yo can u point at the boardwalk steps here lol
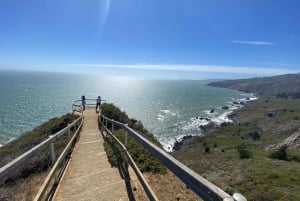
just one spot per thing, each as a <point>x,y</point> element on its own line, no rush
<point>89,176</point>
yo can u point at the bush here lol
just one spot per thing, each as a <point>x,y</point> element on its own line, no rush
<point>243,152</point>
<point>255,135</point>
<point>207,149</point>
<point>144,160</point>
<point>280,154</point>
<point>113,112</point>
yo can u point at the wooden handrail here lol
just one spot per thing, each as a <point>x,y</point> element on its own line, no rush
<point>151,195</point>
<point>205,189</point>
<point>39,196</point>
<point>10,169</point>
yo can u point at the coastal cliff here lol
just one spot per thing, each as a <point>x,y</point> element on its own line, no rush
<point>258,154</point>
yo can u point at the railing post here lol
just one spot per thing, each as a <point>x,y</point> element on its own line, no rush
<point>53,157</point>
<point>112,127</point>
<point>69,131</point>
<point>126,139</point>
<point>126,145</point>
<point>106,123</point>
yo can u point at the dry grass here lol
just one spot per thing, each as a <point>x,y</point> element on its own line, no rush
<point>169,187</point>
<point>23,189</point>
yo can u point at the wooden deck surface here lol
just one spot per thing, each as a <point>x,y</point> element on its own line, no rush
<point>89,176</point>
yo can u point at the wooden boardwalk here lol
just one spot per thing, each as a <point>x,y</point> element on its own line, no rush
<point>89,176</point>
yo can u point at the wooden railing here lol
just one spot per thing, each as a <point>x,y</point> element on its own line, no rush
<point>205,189</point>
<point>58,168</point>
<point>151,195</point>
<point>12,167</point>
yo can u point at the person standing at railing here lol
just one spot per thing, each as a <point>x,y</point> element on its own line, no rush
<point>98,103</point>
<point>83,102</point>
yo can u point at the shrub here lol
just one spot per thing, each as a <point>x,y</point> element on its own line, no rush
<point>294,158</point>
<point>144,160</point>
<point>255,135</point>
<point>207,149</point>
<point>111,111</point>
<point>243,152</point>
<point>229,190</point>
<point>280,154</point>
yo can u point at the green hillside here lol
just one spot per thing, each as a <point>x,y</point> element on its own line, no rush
<point>258,154</point>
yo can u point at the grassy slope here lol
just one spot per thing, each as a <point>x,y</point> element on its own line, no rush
<point>24,185</point>
<point>259,177</point>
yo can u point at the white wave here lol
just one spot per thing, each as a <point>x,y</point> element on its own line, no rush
<point>208,112</point>
<point>169,112</point>
<point>193,126</point>
<point>168,143</point>
<point>10,140</point>
<point>253,98</point>
<point>195,123</point>
<point>160,117</point>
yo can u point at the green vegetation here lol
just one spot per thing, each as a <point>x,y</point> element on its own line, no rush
<point>142,157</point>
<point>31,138</point>
<point>280,154</point>
<point>19,186</point>
<point>243,152</point>
<point>242,164</point>
<point>244,160</point>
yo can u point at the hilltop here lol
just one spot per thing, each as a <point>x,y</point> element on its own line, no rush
<point>288,85</point>
<point>258,154</point>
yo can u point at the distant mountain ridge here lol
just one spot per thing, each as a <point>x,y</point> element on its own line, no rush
<point>281,85</point>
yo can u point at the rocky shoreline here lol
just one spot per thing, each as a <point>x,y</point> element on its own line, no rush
<point>206,129</point>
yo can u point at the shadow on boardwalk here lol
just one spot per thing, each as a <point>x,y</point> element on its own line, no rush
<point>89,175</point>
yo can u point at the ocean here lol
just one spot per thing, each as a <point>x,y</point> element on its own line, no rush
<point>170,109</point>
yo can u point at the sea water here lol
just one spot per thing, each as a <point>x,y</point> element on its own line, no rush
<point>170,109</point>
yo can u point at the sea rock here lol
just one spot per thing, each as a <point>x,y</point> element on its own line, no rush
<point>178,143</point>
<point>208,127</point>
<point>212,111</point>
<point>225,107</point>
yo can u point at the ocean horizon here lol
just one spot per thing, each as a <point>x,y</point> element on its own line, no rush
<point>170,109</point>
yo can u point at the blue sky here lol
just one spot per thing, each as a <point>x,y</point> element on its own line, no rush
<point>186,39</point>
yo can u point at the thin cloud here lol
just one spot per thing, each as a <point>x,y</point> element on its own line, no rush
<point>259,71</point>
<point>246,42</point>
